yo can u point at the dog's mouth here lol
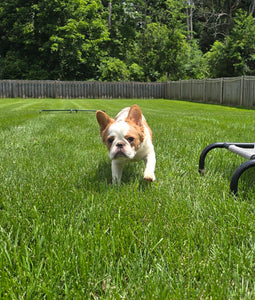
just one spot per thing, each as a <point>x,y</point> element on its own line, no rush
<point>119,153</point>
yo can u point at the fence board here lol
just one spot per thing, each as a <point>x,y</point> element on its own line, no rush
<point>198,90</point>
<point>232,91</point>
<point>249,91</point>
<point>213,91</point>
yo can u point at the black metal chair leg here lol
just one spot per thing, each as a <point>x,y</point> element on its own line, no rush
<point>204,153</point>
<point>238,172</point>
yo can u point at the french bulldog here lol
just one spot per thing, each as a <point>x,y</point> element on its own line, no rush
<point>127,138</point>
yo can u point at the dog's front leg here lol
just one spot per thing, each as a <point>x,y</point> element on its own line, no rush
<point>150,163</point>
<point>117,168</point>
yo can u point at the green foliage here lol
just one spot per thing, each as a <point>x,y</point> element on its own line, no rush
<point>191,62</point>
<point>236,56</point>
<point>160,48</point>
<point>63,39</point>
<point>213,20</point>
<point>242,42</point>
<point>152,39</point>
<point>123,22</point>
<point>113,69</point>
<point>136,72</point>
<point>217,61</point>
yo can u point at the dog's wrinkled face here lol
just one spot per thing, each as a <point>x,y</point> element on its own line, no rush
<point>122,137</point>
<point>122,140</point>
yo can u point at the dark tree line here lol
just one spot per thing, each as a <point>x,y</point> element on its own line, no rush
<point>143,40</point>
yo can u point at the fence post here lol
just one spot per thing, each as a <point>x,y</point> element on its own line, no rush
<point>166,90</point>
<point>56,89</point>
<point>221,90</point>
<point>191,83</point>
<point>95,90</point>
<point>23,89</point>
<point>241,90</point>
<point>180,89</point>
<point>204,91</point>
<point>15,89</point>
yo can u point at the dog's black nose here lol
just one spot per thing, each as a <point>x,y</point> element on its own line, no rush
<point>120,145</point>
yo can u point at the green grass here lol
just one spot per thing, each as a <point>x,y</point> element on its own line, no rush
<point>66,232</point>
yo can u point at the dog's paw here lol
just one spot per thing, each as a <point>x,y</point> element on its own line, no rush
<point>149,177</point>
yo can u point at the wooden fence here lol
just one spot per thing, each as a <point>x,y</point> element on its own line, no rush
<point>80,89</point>
<point>236,91</point>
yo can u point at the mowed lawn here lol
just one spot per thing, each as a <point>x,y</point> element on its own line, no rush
<point>67,233</point>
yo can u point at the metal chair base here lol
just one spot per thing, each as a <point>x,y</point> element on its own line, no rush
<point>242,149</point>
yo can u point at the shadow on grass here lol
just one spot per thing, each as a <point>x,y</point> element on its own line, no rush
<point>101,177</point>
<point>246,182</point>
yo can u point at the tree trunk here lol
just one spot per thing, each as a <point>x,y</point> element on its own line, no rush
<point>252,7</point>
<point>189,13</point>
<point>110,15</point>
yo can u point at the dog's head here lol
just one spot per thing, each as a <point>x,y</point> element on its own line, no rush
<point>122,136</point>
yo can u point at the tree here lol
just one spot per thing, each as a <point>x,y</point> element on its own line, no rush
<point>158,50</point>
<point>236,56</point>
<point>189,18</point>
<point>113,69</point>
<point>51,39</point>
<point>123,23</point>
<point>213,20</point>
<point>161,43</point>
<point>124,40</point>
<point>191,62</point>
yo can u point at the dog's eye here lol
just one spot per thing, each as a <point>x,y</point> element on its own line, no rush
<point>130,139</point>
<point>110,140</point>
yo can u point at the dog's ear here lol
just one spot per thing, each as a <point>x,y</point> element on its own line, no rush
<point>103,120</point>
<point>135,115</point>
